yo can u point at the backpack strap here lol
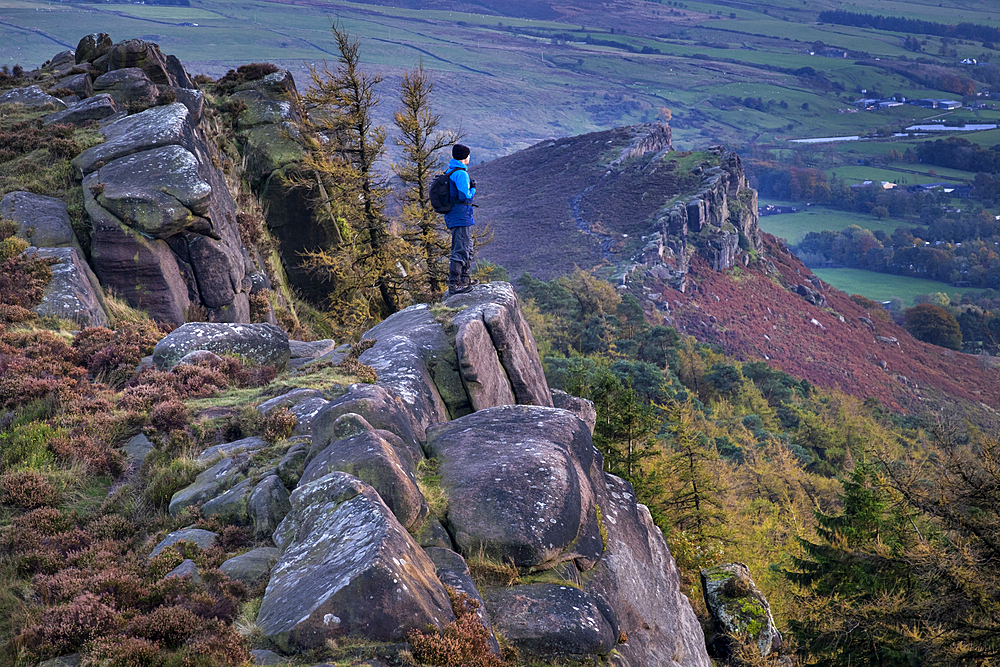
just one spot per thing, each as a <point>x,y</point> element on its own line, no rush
<point>451,171</point>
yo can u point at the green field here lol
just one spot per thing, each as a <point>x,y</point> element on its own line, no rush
<point>794,226</point>
<point>882,286</point>
<point>511,81</point>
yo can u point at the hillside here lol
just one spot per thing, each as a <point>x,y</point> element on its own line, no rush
<point>578,200</point>
<point>514,73</point>
<point>769,306</point>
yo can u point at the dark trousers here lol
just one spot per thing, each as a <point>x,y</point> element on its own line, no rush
<point>461,255</point>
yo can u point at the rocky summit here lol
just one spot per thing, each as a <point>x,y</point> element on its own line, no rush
<point>359,554</point>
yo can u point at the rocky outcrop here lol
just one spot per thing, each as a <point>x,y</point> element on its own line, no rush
<point>483,356</point>
<point>164,234</point>
<point>74,292</point>
<point>347,568</point>
<point>260,343</point>
<point>719,222</point>
<point>32,97</point>
<point>738,610</point>
<point>98,107</point>
<point>162,213</point>
<point>267,130</point>
<point>523,485</point>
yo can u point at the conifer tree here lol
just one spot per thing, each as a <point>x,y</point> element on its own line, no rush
<point>694,496</point>
<point>343,144</point>
<point>419,138</point>
<point>625,434</point>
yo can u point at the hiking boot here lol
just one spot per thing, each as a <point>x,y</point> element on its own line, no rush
<point>459,289</point>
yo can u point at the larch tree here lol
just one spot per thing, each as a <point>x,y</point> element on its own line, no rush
<point>419,138</point>
<point>343,144</point>
<point>694,494</point>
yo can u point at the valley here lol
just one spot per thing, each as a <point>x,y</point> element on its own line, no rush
<point>730,385</point>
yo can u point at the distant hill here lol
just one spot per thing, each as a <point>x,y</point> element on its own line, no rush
<point>590,201</point>
<point>571,202</point>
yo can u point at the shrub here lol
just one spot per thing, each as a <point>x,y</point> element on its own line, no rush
<point>169,415</point>
<point>97,454</point>
<point>464,641</point>
<point>244,73</point>
<point>933,324</point>
<point>34,365</point>
<point>26,446</point>
<point>278,424</point>
<point>123,651</point>
<point>163,480</point>
<point>27,490</point>
<point>144,397</point>
<point>66,628</point>
<point>112,356</point>
<point>23,278</point>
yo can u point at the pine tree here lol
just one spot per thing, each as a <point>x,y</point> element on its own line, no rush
<point>419,138</point>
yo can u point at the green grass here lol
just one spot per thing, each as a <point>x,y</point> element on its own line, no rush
<point>882,286</point>
<point>509,91</point>
<point>794,226</point>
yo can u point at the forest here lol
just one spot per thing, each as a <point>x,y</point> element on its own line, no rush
<point>869,531</point>
<point>981,33</point>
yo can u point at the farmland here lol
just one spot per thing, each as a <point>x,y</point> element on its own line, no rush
<point>882,287</point>
<point>531,71</point>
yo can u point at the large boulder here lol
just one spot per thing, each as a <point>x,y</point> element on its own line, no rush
<point>380,408</point>
<point>92,47</point>
<point>130,87</point>
<point>98,107</point>
<point>253,566</point>
<point>143,271</point>
<point>161,69</point>
<point>369,455</point>
<point>160,126</point>
<point>414,356</point>
<point>32,97</point>
<point>581,407</point>
<point>551,620</point>
<point>738,609</point>
<point>80,85</point>
<point>347,568</point>
<point>494,307</point>
<point>637,586</point>
<point>305,404</point>
<point>41,221</point>
<point>518,482</point>
<point>209,484</point>
<point>156,192</point>
<point>203,539</point>
<point>73,293</point>
<point>268,506</point>
<point>261,343</point>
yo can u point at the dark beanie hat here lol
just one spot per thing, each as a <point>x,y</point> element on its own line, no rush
<point>460,152</point>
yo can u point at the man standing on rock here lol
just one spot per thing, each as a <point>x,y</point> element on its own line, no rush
<point>459,221</point>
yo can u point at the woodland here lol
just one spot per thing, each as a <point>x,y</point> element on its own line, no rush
<point>871,532</point>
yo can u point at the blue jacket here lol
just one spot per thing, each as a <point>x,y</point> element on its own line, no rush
<point>462,192</point>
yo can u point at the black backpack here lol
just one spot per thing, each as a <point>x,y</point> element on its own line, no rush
<point>440,192</point>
